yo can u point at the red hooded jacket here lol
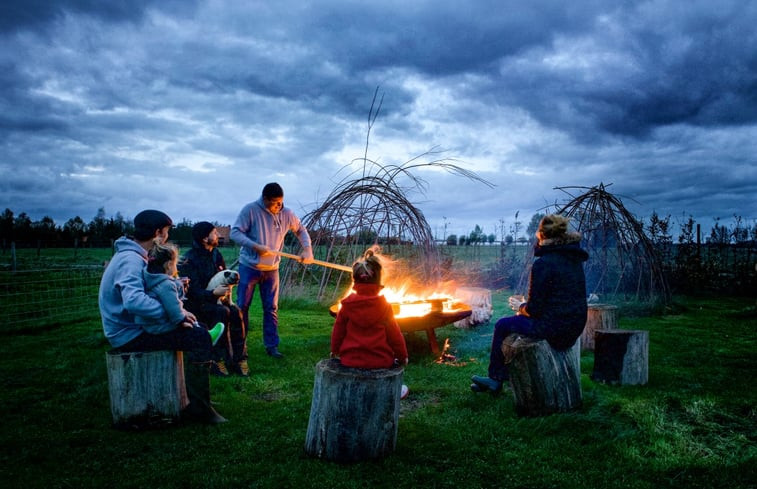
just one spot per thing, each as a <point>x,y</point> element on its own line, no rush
<point>365,333</point>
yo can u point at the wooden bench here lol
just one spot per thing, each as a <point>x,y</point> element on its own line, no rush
<point>354,415</point>
<point>621,356</point>
<point>146,389</point>
<point>543,380</point>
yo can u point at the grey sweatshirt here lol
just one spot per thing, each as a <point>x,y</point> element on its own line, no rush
<point>257,225</point>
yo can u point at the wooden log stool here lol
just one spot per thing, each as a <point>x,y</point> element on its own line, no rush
<point>355,412</point>
<point>621,356</point>
<point>146,389</point>
<point>543,380</point>
<point>599,316</point>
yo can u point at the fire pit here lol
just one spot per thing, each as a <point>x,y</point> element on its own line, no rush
<point>425,315</point>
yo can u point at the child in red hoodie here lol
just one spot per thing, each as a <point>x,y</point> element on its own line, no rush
<point>365,333</point>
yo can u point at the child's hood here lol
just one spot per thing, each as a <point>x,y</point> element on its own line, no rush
<point>365,309</point>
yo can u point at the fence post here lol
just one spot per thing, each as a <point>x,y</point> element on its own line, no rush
<point>13,256</point>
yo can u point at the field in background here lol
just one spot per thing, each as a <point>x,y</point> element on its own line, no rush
<point>51,287</point>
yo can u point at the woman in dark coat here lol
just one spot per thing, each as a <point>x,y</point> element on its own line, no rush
<point>555,309</point>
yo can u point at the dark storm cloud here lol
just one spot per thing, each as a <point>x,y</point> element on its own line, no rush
<point>18,15</point>
<point>129,104</point>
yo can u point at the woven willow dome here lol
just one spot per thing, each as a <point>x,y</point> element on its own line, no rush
<point>371,207</point>
<point>623,262</point>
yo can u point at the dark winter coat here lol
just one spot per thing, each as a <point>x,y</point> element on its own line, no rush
<point>200,265</point>
<point>557,291</point>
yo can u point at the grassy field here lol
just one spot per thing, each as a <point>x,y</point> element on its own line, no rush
<point>693,426</point>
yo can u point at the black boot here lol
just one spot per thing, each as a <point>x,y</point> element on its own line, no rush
<point>197,380</point>
<point>481,384</point>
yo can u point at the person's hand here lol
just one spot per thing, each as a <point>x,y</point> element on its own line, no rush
<point>261,250</point>
<point>515,302</point>
<point>221,290</point>
<point>407,360</point>
<point>306,257</point>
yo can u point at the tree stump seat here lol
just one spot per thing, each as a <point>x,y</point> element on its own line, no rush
<point>354,414</point>
<point>146,389</point>
<point>543,380</point>
<point>621,356</point>
<point>599,316</point>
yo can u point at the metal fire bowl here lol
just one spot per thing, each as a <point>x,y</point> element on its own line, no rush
<point>430,321</point>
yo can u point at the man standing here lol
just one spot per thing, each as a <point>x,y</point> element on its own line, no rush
<point>122,298</point>
<point>200,264</point>
<point>259,230</point>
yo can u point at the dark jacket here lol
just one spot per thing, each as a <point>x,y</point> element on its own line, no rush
<point>557,292</point>
<point>200,265</point>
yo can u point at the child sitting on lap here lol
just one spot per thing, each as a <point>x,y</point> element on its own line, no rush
<point>161,283</point>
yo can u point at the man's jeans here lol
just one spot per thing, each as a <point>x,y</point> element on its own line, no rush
<point>269,297</point>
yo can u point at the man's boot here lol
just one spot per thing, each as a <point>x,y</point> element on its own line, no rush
<point>197,380</point>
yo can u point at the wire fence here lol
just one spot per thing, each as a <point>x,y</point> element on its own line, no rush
<point>35,300</point>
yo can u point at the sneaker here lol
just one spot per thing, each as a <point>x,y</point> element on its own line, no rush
<point>216,332</point>
<point>274,352</point>
<point>219,369</point>
<point>242,369</point>
<point>404,391</point>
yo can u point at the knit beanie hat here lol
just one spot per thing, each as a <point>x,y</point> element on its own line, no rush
<point>149,221</point>
<point>201,230</point>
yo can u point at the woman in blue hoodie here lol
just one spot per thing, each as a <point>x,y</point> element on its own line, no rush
<point>555,309</point>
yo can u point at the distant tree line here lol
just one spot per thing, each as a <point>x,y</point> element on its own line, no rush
<point>99,232</point>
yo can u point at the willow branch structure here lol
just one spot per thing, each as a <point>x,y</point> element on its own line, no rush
<point>370,205</point>
<point>622,260</point>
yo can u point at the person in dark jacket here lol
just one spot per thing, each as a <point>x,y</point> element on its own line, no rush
<point>199,265</point>
<point>555,309</point>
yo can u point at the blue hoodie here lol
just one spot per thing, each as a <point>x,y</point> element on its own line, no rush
<point>122,294</point>
<point>169,291</point>
<point>257,225</point>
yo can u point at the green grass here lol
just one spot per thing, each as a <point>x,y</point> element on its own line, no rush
<point>694,425</point>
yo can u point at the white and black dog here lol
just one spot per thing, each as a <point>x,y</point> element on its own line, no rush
<point>224,277</point>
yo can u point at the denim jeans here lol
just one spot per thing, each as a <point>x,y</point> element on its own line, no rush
<point>512,324</point>
<point>269,297</point>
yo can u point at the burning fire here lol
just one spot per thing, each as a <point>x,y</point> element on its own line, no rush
<point>406,304</point>
<point>408,299</point>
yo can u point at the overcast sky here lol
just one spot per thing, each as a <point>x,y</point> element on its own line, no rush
<point>191,107</point>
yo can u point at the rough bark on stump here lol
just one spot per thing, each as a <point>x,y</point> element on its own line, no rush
<point>621,357</point>
<point>543,380</point>
<point>355,412</point>
<point>146,389</point>
<point>599,316</point>
<point>480,302</point>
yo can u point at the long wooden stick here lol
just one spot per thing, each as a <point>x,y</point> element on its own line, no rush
<point>343,268</point>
